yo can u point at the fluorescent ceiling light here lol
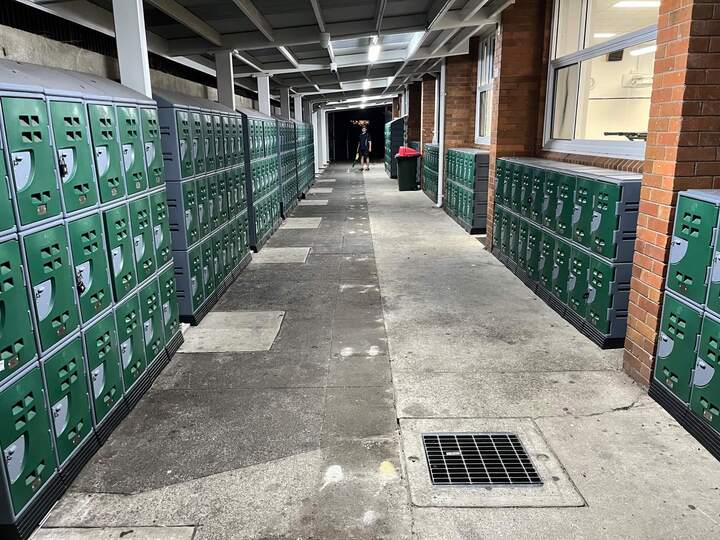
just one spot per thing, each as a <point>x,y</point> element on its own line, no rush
<point>364,99</point>
<point>374,52</point>
<point>637,4</point>
<point>366,84</point>
<point>644,50</point>
<point>603,35</point>
<point>288,55</point>
<point>317,88</point>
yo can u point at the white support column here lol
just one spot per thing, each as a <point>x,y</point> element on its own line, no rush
<point>441,138</point>
<point>285,102</point>
<point>298,108</point>
<point>317,134</point>
<point>263,83</point>
<point>131,41</point>
<point>307,112</point>
<point>324,144</point>
<point>225,77</point>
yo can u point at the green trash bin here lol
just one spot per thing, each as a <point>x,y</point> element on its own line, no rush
<point>407,172</point>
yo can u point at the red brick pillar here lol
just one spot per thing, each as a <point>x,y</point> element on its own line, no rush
<point>427,114</point>
<point>518,88</point>
<point>682,152</point>
<point>414,111</point>
<point>460,89</point>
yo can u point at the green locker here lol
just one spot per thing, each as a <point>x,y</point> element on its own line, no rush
<point>497,226</point>
<point>108,162</point>
<point>208,267</point>
<point>142,238</point>
<point>231,193</point>
<point>161,228</point>
<point>241,199</point>
<point>118,236</point>
<point>32,164</point>
<point>228,249</point>
<point>184,133</point>
<point>561,270</point>
<point>691,250</point>
<point>130,339</point>
<point>219,142</point>
<point>169,304</point>
<point>532,252</point>
<point>132,149</point>
<point>537,179</point>
<point>523,230</point>
<point>545,261</point>
<point>195,263</point>
<point>221,200</point>
<point>67,392</point>
<point>516,187</point>
<point>209,142</point>
<point>526,188</point>
<point>583,211</point>
<point>228,141</point>
<point>25,438</point>
<point>600,294</point>
<point>565,205</point>
<point>152,324</point>
<point>213,200</point>
<point>550,200</point>
<point>90,260</point>
<point>103,363</point>
<point>7,216</point>
<point>508,185</point>
<point>505,233</point>
<point>51,278</point>
<point>203,206</point>
<point>153,147</point>
<point>578,281</point>
<point>677,344</point>
<point>604,221</point>
<point>17,344</point>
<point>70,130</point>
<point>501,167</point>
<point>189,195</point>
<point>218,258</point>
<point>705,393</point>
<point>239,141</point>
<point>513,241</point>
<point>198,142</point>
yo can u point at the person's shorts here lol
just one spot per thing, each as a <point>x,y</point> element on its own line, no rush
<point>364,152</point>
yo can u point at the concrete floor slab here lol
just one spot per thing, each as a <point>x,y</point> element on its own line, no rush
<point>301,223</point>
<point>557,488</point>
<point>233,331</point>
<point>320,190</point>
<point>326,181</point>
<point>281,255</point>
<point>313,202</point>
<point>116,533</point>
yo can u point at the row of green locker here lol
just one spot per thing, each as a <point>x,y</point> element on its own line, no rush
<point>576,202</point>
<point>430,182</point>
<point>201,270</point>
<point>594,289</point>
<point>466,204</point>
<point>467,166</point>
<point>263,138</point>
<point>67,157</point>
<point>70,272</point>
<point>694,259</point>
<point>688,357</point>
<point>49,409</point>
<point>200,206</point>
<point>287,136</point>
<point>431,157</point>
<point>267,215</point>
<point>196,142</point>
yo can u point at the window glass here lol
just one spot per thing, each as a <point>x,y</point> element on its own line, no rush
<point>569,22</point>
<point>485,114</point>
<point>565,103</point>
<point>614,95</point>
<point>483,103</point>
<point>608,19</point>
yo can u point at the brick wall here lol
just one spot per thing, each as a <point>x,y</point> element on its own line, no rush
<point>460,88</point>
<point>518,89</point>
<point>427,114</point>
<point>414,111</point>
<point>682,152</point>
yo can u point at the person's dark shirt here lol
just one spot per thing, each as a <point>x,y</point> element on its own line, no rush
<point>365,141</point>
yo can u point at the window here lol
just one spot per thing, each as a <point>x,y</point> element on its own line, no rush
<point>483,100</point>
<point>600,78</point>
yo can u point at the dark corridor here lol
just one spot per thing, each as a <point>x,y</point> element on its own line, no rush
<point>344,134</point>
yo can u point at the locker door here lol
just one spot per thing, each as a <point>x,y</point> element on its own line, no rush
<point>101,344</point>
<point>108,161</point>
<point>497,226</point>
<point>526,191</point>
<point>161,228</point>
<point>198,142</point>
<point>513,241</point>
<point>118,236</point>
<point>583,211</point>
<point>133,152</point>
<point>523,231</point>
<point>705,393</point>
<point>536,194</point>
<point>208,267</point>
<point>545,260</point>
<point>199,294</point>
<point>184,133</point>
<point>32,164</point>
<point>565,205</point>
<point>153,147</point>
<point>189,196</point>
<point>578,281</point>
<point>133,361</point>
<point>604,221</point>
<point>169,304</point>
<point>219,143</point>
<point>561,270</point>
<point>209,142</point>
<point>221,196</point>
<point>601,279</point>
<point>218,257</point>
<point>74,156</point>
<point>7,215</point>
<point>152,326</point>
<point>142,238</point>
<point>203,206</point>
<point>549,205</point>
<point>532,255</point>
<point>213,200</point>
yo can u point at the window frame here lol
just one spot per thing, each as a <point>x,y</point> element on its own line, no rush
<point>620,149</point>
<point>485,66</point>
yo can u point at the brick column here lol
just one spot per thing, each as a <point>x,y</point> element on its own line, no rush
<point>460,89</point>
<point>682,152</point>
<point>427,114</point>
<point>414,111</point>
<point>518,88</point>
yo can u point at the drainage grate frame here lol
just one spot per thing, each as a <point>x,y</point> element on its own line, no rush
<point>479,459</point>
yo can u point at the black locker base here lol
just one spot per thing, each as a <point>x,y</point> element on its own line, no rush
<point>79,459</point>
<point>470,229</point>
<point>174,344</point>
<point>35,512</point>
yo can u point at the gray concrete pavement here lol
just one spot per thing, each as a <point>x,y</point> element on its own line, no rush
<point>395,323</point>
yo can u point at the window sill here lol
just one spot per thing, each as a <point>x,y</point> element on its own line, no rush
<point>611,149</point>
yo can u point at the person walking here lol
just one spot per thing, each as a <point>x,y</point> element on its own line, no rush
<point>364,149</point>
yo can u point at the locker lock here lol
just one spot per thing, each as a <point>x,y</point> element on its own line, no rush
<point>79,283</point>
<point>62,166</point>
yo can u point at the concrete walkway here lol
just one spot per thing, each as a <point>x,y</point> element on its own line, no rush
<point>295,410</point>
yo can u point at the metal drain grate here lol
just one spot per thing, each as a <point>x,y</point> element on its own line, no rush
<point>478,459</point>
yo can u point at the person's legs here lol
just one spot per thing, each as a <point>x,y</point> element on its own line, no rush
<point>366,160</point>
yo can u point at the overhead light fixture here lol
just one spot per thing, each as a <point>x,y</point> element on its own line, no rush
<point>317,88</point>
<point>644,50</point>
<point>637,4</point>
<point>366,84</point>
<point>603,35</point>
<point>288,55</point>
<point>364,99</point>
<point>374,50</point>
<point>363,106</point>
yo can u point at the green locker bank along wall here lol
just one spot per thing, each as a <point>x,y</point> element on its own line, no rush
<point>568,232</point>
<point>84,233</point>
